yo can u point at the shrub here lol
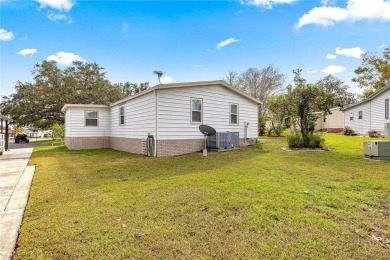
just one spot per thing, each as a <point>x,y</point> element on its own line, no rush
<point>295,140</point>
<point>316,141</point>
<point>373,133</point>
<point>348,131</point>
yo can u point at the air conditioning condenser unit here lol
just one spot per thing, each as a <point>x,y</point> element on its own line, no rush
<point>224,140</point>
<point>378,150</point>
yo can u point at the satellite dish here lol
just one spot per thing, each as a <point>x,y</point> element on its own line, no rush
<point>206,131</point>
<point>159,74</point>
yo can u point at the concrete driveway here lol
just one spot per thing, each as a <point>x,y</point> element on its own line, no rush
<point>15,183</point>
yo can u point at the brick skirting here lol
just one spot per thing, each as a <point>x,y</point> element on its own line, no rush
<point>131,145</point>
<point>178,147</point>
<point>137,146</point>
<point>81,143</point>
<point>334,130</point>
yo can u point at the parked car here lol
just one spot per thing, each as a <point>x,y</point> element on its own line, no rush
<point>21,137</point>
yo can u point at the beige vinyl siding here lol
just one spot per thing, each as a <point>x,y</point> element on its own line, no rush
<point>378,111</point>
<point>336,119</point>
<point>360,126</point>
<point>139,118</point>
<point>77,122</point>
<point>174,112</point>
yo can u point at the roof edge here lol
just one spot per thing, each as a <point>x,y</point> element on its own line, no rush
<point>371,97</point>
<point>66,106</point>
<point>188,84</point>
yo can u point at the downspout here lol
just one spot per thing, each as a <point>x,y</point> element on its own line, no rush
<point>370,115</point>
<point>156,121</point>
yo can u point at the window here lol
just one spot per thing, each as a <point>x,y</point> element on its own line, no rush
<point>386,108</point>
<point>351,116</point>
<point>360,115</point>
<point>91,118</point>
<point>234,114</point>
<point>196,110</point>
<point>122,115</point>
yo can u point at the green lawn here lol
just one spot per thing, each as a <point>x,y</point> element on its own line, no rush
<point>257,203</point>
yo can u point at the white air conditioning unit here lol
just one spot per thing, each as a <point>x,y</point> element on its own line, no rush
<point>224,140</point>
<point>387,130</point>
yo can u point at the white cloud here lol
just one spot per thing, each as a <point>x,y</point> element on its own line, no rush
<point>355,10</point>
<point>330,56</point>
<point>351,52</point>
<point>60,5</point>
<point>328,2</point>
<point>5,35</point>
<point>125,27</point>
<point>58,17</point>
<point>125,30</point>
<point>64,58</point>
<point>226,42</point>
<point>333,69</point>
<point>267,4</point>
<point>312,71</point>
<point>27,51</point>
<point>383,45</point>
<point>166,79</point>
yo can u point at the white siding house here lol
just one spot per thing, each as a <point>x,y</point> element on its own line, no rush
<point>369,114</point>
<point>80,125</point>
<point>171,113</point>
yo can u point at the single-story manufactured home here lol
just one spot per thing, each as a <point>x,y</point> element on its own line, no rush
<point>370,114</point>
<point>171,113</point>
<point>332,123</point>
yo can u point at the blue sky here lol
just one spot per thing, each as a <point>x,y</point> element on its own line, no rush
<point>191,40</point>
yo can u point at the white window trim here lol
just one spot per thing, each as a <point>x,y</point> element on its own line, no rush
<point>201,111</point>
<point>387,109</point>
<point>230,113</point>
<point>120,116</point>
<point>85,118</point>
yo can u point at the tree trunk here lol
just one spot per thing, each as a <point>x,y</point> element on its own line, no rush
<point>304,128</point>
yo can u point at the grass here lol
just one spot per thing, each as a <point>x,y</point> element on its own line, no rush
<point>257,203</point>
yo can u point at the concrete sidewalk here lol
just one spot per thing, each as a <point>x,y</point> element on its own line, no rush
<point>15,183</point>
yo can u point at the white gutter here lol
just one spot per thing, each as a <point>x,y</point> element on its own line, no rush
<point>156,121</point>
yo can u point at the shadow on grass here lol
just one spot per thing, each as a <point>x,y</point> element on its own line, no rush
<point>112,164</point>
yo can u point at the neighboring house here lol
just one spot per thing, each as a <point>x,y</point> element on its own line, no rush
<point>369,114</point>
<point>333,123</point>
<point>171,113</point>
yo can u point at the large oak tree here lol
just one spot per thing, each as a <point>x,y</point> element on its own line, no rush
<point>39,103</point>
